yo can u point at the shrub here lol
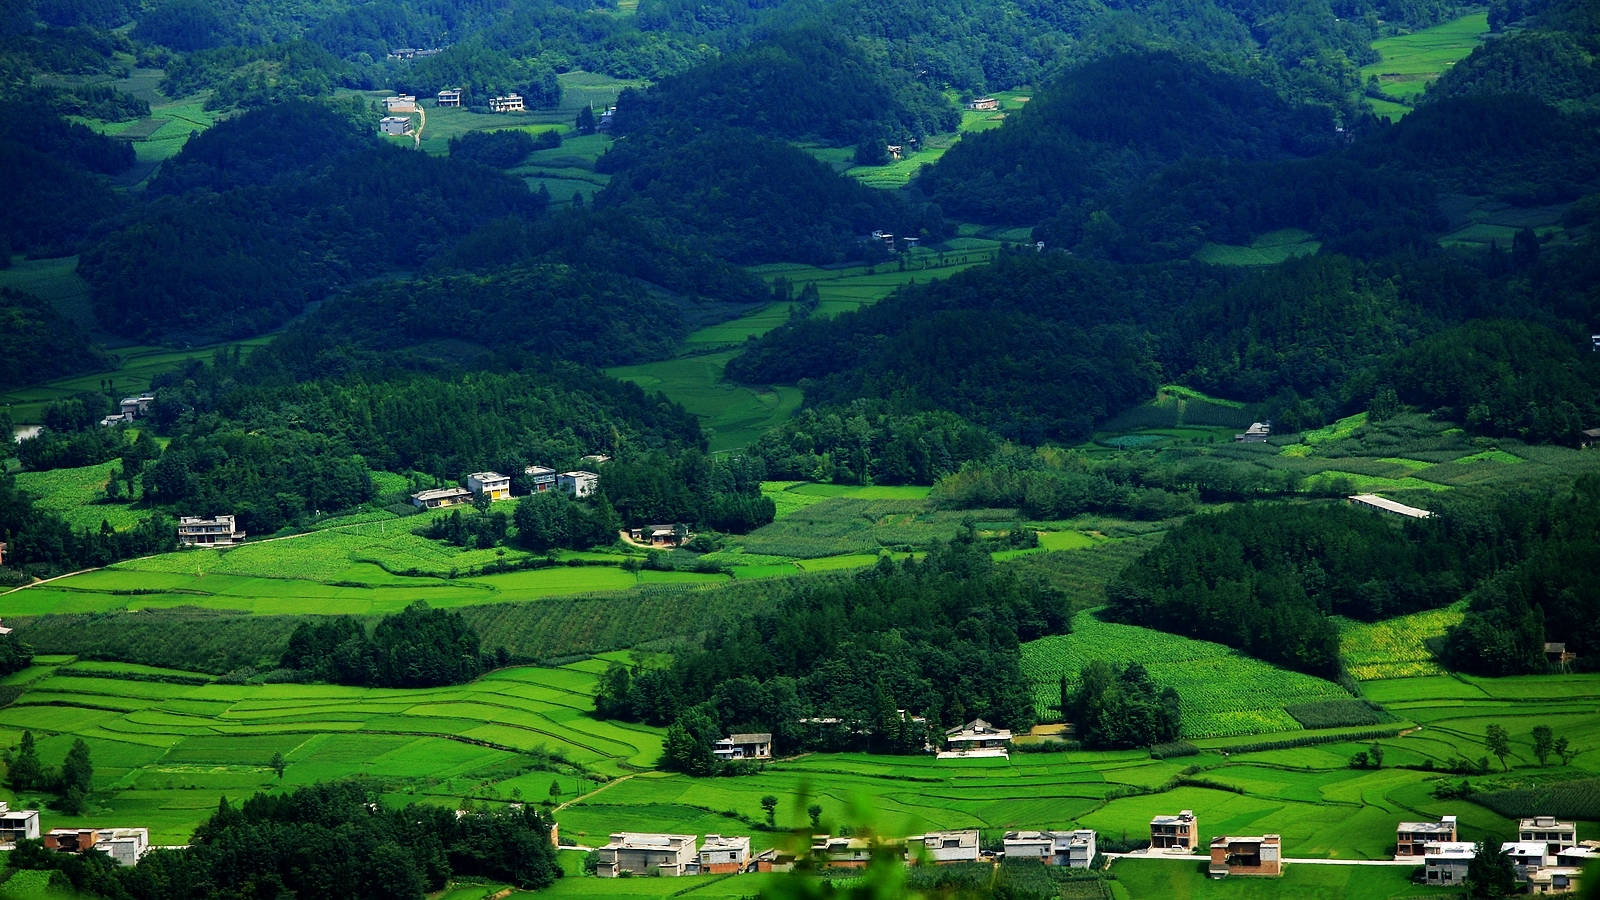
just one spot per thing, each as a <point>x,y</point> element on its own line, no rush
<point>1336,714</point>
<point>1173,750</point>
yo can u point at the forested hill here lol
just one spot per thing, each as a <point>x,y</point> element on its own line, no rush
<point>1551,57</point>
<point>1046,346</point>
<point>1112,123</point>
<point>806,83</point>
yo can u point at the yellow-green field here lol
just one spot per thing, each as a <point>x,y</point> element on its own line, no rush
<point>1411,61</point>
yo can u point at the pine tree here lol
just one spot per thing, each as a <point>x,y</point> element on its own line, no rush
<point>27,772</point>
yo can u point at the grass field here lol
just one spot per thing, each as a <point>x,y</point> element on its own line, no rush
<point>737,414</point>
<point>74,494</point>
<point>1411,61</point>
<point>1139,879</point>
<point>1223,691</point>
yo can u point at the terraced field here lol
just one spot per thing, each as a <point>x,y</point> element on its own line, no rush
<point>163,752</point>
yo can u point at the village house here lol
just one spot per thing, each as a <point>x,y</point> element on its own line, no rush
<point>976,740</point>
<point>606,121</point>
<point>491,484</point>
<point>449,97</point>
<point>1588,438</point>
<point>414,53</point>
<point>984,104</point>
<point>395,126</point>
<point>1577,857</point>
<point>1446,862</point>
<point>896,151</point>
<point>1412,837</point>
<point>1557,836</point>
<point>197,531</point>
<point>1557,654</point>
<point>125,845</point>
<point>942,847</point>
<point>1255,434</point>
<point>770,860</point>
<point>1179,832</point>
<point>660,535</point>
<point>754,745</point>
<point>3,631</point>
<point>647,854</point>
<point>1073,849</point>
<point>136,407</point>
<point>1554,880</point>
<point>1528,857</point>
<point>578,484</point>
<point>849,852</point>
<point>1246,856</point>
<point>595,460</point>
<point>724,855</point>
<point>438,497</point>
<point>540,478</point>
<point>17,825</point>
<point>2,554</point>
<point>1385,505</point>
<point>401,103</point>
<point>506,103</point>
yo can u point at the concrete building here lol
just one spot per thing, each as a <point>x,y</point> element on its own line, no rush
<point>595,460</point>
<point>493,484</point>
<point>401,103</point>
<point>395,126</point>
<point>1074,849</point>
<point>744,746</point>
<point>1446,862</point>
<point>541,478</point>
<point>647,854</point>
<point>941,847</point>
<point>1557,836</point>
<point>606,120</point>
<point>578,484</point>
<point>438,497</point>
<point>17,825</point>
<point>724,855</point>
<point>1246,856</point>
<point>1255,434</point>
<point>1554,880</point>
<point>975,740</point>
<point>1180,832</point>
<point>506,103</point>
<point>1528,857</point>
<point>196,531</point>
<point>449,97</point>
<point>1382,504</point>
<point>125,845</point>
<point>1411,838</point>
<point>136,407</point>
<point>984,104</point>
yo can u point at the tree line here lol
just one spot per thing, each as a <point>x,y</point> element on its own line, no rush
<point>325,841</point>
<point>416,647</point>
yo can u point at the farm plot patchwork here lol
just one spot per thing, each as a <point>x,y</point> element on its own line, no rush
<point>1223,691</point>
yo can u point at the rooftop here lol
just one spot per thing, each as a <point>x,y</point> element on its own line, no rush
<point>1387,505</point>
<point>1445,826</point>
<point>1546,822</point>
<point>750,738</point>
<point>440,493</point>
<point>1451,849</point>
<point>1183,816</point>
<point>628,840</point>
<point>718,842</point>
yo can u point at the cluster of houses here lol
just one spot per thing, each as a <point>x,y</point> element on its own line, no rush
<point>129,409</point>
<point>125,845</point>
<point>1547,857</point>
<point>579,484</point>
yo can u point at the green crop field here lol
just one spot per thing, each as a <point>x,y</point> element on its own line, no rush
<point>734,414</point>
<point>73,493</point>
<point>1394,648</point>
<point>1410,61</point>
<point>1140,879</point>
<point>1224,692</point>
<point>164,751</point>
